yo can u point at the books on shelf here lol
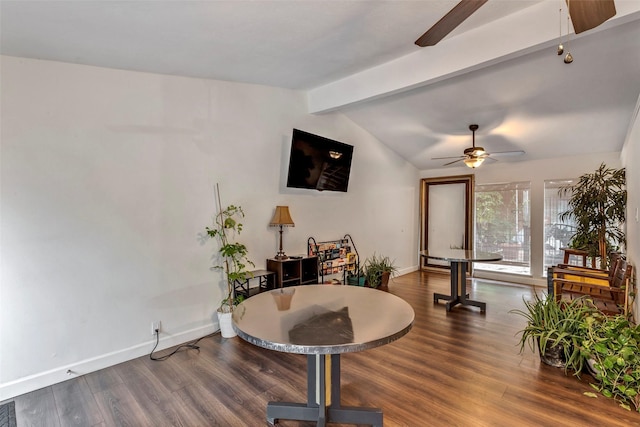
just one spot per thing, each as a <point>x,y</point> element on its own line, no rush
<point>335,256</point>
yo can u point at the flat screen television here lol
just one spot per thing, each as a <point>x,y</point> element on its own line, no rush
<point>318,163</point>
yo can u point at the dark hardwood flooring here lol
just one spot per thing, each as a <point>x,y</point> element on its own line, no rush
<point>461,368</point>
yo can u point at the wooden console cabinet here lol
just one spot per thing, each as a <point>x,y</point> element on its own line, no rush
<point>294,271</point>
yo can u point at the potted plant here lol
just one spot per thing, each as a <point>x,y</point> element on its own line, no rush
<point>378,270</point>
<point>598,204</point>
<point>611,348</point>
<point>556,329</point>
<point>232,260</point>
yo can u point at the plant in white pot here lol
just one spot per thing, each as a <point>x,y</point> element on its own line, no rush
<point>232,260</point>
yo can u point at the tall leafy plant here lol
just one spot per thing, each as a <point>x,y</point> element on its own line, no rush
<point>597,203</point>
<point>233,255</point>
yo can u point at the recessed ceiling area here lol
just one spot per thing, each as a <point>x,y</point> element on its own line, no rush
<point>498,68</point>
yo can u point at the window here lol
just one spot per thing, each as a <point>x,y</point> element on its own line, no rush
<point>557,233</point>
<point>503,226</point>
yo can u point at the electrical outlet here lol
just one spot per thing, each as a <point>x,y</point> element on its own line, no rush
<point>155,326</point>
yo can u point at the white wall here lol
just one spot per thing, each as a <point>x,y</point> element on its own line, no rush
<point>107,184</point>
<point>630,159</point>
<point>536,172</point>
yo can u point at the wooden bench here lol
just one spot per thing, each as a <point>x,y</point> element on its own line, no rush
<point>608,289</point>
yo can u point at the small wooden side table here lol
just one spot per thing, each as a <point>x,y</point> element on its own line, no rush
<point>568,252</point>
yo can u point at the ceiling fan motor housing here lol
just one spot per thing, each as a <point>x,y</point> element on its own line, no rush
<point>474,151</point>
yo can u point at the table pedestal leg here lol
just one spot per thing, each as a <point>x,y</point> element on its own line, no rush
<point>323,398</point>
<point>459,293</point>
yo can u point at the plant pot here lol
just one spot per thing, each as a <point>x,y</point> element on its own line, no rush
<point>591,369</point>
<point>226,324</point>
<point>553,355</point>
<point>356,281</point>
<point>384,281</point>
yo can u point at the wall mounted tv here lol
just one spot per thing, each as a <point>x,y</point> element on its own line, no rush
<point>318,163</point>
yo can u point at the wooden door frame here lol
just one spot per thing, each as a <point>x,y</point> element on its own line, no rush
<point>468,181</point>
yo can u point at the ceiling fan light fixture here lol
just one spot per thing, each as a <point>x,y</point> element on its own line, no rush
<point>473,162</point>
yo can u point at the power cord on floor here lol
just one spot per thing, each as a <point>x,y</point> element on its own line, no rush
<point>188,346</point>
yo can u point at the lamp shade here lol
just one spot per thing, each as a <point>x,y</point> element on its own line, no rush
<point>282,217</point>
<point>474,162</point>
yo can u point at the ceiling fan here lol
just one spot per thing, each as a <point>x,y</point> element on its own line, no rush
<point>585,15</point>
<point>474,156</point>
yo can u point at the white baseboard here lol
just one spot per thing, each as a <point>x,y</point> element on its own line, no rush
<point>44,379</point>
<point>406,270</point>
<point>510,278</point>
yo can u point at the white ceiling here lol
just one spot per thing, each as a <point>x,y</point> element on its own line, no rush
<point>498,69</point>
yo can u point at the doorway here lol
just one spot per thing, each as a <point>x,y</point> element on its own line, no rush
<point>446,215</point>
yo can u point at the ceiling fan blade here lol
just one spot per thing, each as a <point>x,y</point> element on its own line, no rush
<point>455,161</point>
<point>449,22</point>
<point>450,157</point>
<point>588,14</point>
<point>508,153</point>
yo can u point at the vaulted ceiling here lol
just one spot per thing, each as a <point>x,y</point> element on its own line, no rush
<point>498,69</point>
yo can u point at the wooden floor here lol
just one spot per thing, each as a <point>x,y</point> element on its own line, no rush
<point>461,368</point>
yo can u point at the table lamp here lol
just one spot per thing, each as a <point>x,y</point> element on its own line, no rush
<point>282,218</point>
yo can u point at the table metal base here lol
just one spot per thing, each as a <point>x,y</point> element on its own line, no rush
<point>321,406</point>
<point>459,293</point>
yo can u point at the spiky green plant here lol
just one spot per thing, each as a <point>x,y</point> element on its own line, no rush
<point>374,266</point>
<point>552,323</point>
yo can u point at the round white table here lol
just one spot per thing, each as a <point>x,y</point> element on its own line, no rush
<point>458,259</point>
<point>323,320</point>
